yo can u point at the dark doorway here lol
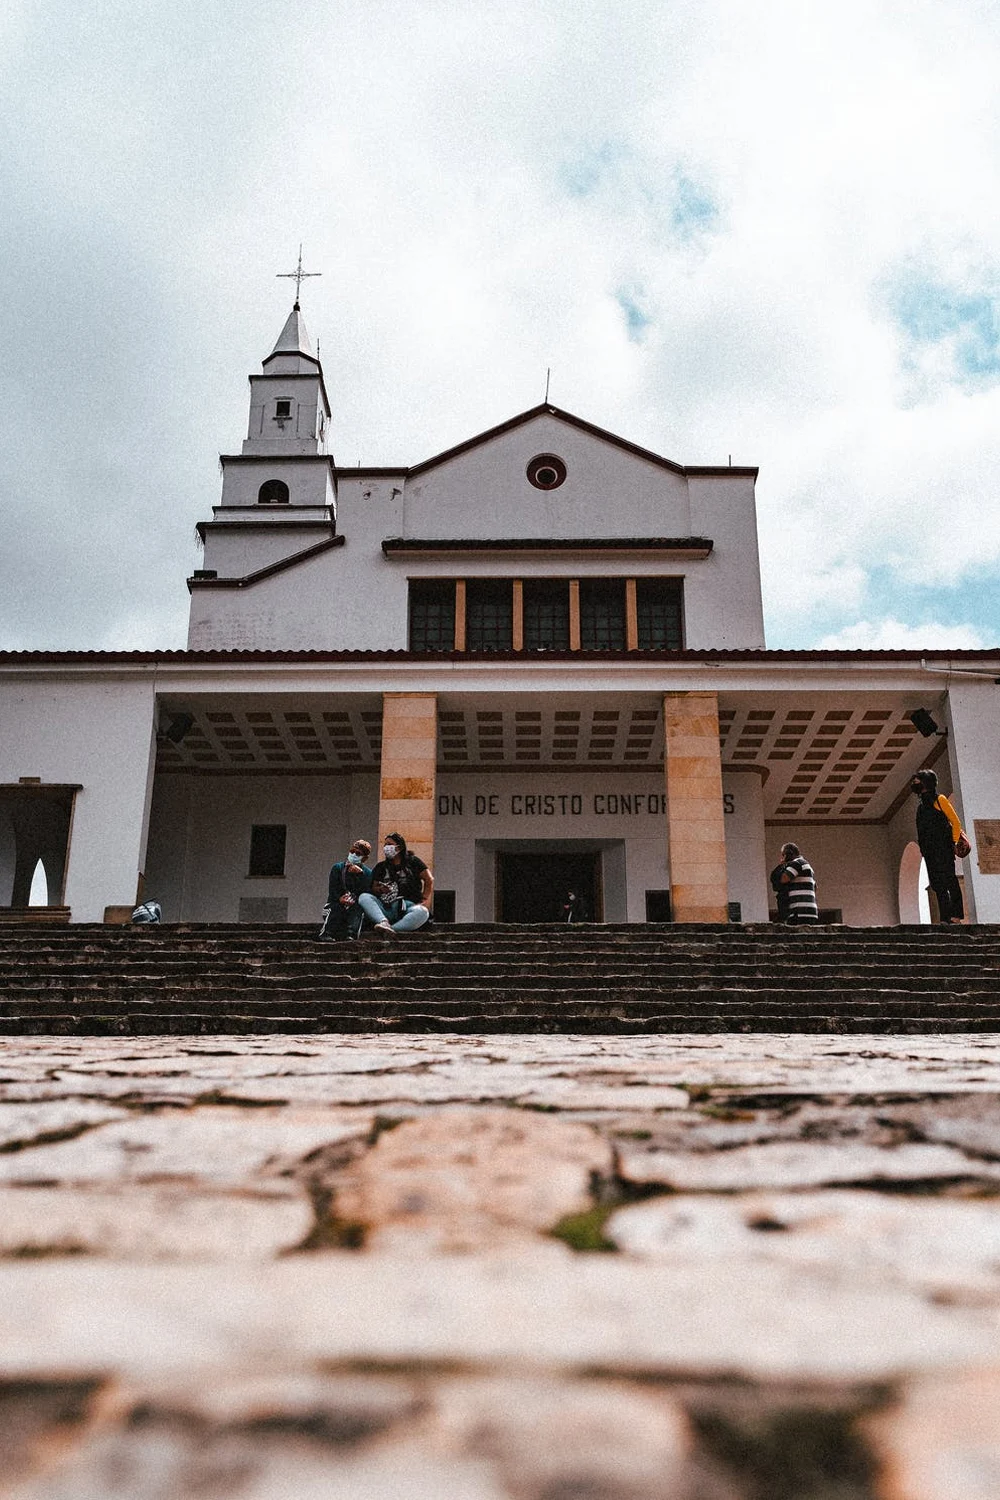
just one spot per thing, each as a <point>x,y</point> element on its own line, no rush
<point>534,887</point>
<point>35,821</point>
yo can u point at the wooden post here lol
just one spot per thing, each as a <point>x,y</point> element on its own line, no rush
<point>574,614</point>
<point>631,616</point>
<point>459,620</point>
<point>517,624</point>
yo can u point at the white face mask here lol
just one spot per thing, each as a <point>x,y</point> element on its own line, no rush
<point>390,850</point>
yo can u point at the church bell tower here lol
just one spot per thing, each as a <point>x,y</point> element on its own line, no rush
<point>284,460</point>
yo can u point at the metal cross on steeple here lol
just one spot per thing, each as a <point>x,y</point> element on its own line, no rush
<point>298,276</point>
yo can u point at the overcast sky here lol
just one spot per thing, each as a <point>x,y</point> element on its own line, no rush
<point>764,228</point>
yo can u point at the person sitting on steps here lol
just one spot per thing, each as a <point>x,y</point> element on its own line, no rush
<point>350,880</point>
<point>401,888</point>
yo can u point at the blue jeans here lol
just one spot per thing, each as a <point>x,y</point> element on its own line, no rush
<point>414,916</point>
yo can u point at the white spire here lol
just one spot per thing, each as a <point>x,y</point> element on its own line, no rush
<point>293,338</point>
<point>293,353</point>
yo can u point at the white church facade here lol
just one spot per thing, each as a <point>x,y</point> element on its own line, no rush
<point>539,656</point>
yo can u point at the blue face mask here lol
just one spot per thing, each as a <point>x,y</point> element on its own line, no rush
<point>353,858</point>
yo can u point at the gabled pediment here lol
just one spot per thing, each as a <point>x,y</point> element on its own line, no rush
<point>532,415</point>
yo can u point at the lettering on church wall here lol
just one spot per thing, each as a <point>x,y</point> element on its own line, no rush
<point>560,804</point>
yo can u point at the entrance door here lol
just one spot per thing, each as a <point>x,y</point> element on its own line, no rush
<point>533,887</point>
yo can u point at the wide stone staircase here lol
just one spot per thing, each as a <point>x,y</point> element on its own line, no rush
<point>218,978</point>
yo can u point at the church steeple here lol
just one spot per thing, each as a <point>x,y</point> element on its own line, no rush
<point>293,341</point>
<point>289,409</point>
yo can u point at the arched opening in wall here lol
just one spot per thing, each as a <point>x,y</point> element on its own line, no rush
<point>923,895</point>
<point>34,843</point>
<point>39,893</point>
<point>273,492</point>
<point>914,906</point>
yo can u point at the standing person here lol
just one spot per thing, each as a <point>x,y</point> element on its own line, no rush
<point>798,880</point>
<point>350,879</point>
<point>574,908</point>
<point>780,890</point>
<point>401,889</point>
<point>938,831</point>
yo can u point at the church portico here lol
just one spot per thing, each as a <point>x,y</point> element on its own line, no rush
<point>538,655</point>
<point>468,776</point>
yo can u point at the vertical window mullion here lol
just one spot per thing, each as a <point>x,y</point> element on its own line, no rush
<point>574,614</point>
<point>459,614</point>
<point>631,616</point>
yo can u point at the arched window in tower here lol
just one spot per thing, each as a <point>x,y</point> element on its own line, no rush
<point>273,492</point>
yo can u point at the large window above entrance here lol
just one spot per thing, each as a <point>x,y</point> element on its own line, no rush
<point>546,614</point>
<point>489,618</point>
<point>432,615</point>
<point>602,614</point>
<point>658,614</point>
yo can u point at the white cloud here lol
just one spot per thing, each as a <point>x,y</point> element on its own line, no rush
<point>488,190</point>
<point>896,635</point>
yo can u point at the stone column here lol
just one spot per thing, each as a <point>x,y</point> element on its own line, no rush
<point>695,829</point>
<point>409,765</point>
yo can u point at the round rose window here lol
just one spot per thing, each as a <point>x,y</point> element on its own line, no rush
<point>546,472</point>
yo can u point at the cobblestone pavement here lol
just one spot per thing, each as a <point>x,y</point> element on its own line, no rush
<point>524,1268</point>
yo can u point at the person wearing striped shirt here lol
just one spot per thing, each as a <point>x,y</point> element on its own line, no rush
<point>798,882</point>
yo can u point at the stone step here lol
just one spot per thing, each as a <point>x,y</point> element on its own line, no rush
<point>485,1022</point>
<point>356,988</point>
<point>378,1000</point>
<point>616,979</point>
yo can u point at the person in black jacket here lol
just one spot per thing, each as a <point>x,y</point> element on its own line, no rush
<point>938,831</point>
<point>350,880</point>
<point>401,889</point>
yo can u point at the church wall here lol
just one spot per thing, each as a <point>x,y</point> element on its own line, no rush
<point>199,842</point>
<point>355,599</point>
<point>607,492</point>
<point>746,868</point>
<point>98,735</point>
<point>973,720</point>
<point>236,551</point>
<point>723,605</point>
<point>855,868</point>
<point>308,483</point>
<point>480,809</point>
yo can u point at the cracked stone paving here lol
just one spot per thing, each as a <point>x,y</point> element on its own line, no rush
<point>500,1268</point>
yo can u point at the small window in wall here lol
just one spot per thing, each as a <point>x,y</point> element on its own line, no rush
<point>489,614</point>
<point>546,614</point>
<point>602,614</point>
<point>282,409</point>
<point>273,492</point>
<point>432,615</point>
<point>659,604</point>
<point>267,850</point>
<point>658,906</point>
<point>444,906</point>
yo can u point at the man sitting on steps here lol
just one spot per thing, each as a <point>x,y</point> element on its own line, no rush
<point>350,879</point>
